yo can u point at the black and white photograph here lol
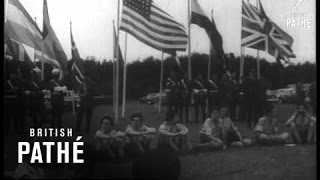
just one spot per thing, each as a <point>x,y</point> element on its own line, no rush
<point>160,89</point>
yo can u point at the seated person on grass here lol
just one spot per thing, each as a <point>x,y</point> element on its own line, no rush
<point>211,131</point>
<point>230,133</point>
<point>110,140</point>
<point>139,134</point>
<point>174,134</point>
<point>302,126</point>
<point>267,130</point>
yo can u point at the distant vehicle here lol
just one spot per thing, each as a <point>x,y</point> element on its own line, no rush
<point>69,98</point>
<point>153,98</point>
<point>286,95</point>
<point>272,95</point>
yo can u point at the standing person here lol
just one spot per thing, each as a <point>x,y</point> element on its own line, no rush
<point>185,97</point>
<point>36,98</point>
<point>57,98</point>
<point>11,92</point>
<point>267,130</point>
<point>231,136</point>
<point>173,134</point>
<point>199,94</point>
<point>241,100</point>
<point>213,93</point>
<point>171,90</point>
<point>313,97</point>
<point>86,103</point>
<point>139,134</point>
<point>251,98</point>
<point>302,126</point>
<point>20,108</point>
<point>226,87</point>
<point>301,94</point>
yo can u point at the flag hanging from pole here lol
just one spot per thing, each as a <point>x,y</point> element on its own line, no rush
<point>51,42</point>
<point>199,18</point>
<point>120,61</point>
<point>77,68</point>
<point>153,26</point>
<point>261,33</point>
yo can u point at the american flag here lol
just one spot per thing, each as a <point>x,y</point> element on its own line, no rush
<point>261,33</point>
<point>77,64</point>
<point>153,26</point>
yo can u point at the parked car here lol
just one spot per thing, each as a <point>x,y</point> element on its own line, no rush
<point>286,95</point>
<point>153,98</point>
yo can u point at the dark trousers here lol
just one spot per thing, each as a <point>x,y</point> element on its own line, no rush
<point>251,114</point>
<point>37,113</point>
<point>57,102</point>
<point>88,111</point>
<point>200,104</point>
<point>13,113</point>
<point>213,101</point>
<point>184,104</point>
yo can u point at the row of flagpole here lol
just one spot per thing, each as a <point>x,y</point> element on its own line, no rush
<point>116,68</point>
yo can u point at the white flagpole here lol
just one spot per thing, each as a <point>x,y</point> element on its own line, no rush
<point>124,80</point>
<point>189,41</point>
<point>5,10</point>
<point>161,80</point>
<point>42,62</point>
<point>210,47</point>
<point>117,72</point>
<point>114,72</point>
<point>258,52</point>
<point>241,63</point>
<point>189,53</point>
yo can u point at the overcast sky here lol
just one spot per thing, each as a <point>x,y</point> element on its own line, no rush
<point>93,31</point>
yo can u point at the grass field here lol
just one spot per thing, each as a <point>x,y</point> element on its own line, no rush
<point>250,163</point>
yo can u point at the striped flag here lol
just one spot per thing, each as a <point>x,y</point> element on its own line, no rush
<point>77,68</point>
<point>261,33</point>
<point>24,39</point>
<point>153,26</point>
<point>199,18</point>
<point>52,43</point>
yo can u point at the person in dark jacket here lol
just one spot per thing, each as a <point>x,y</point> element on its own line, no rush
<point>199,94</point>
<point>86,102</point>
<point>36,98</point>
<point>57,98</point>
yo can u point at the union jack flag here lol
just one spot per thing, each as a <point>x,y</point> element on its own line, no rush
<point>261,33</point>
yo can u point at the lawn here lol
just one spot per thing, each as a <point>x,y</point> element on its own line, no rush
<point>256,162</point>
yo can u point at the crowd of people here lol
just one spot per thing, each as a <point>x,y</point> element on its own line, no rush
<point>26,98</point>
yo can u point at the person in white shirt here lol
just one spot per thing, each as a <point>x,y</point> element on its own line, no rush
<point>139,134</point>
<point>211,131</point>
<point>302,126</point>
<point>174,134</point>
<point>110,140</point>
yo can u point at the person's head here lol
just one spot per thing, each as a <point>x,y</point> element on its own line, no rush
<point>215,114</point>
<point>55,73</point>
<point>35,73</point>
<point>106,123</point>
<point>224,111</point>
<point>269,110</point>
<point>302,108</point>
<point>172,117</point>
<point>136,120</point>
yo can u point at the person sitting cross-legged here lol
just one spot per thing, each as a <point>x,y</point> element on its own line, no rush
<point>173,134</point>
<point>139,134</point>
<point>302,126</point>
<point>110,140</point>
<point>230,133</point>
<point>267,130</point>
<point>211,131</point>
